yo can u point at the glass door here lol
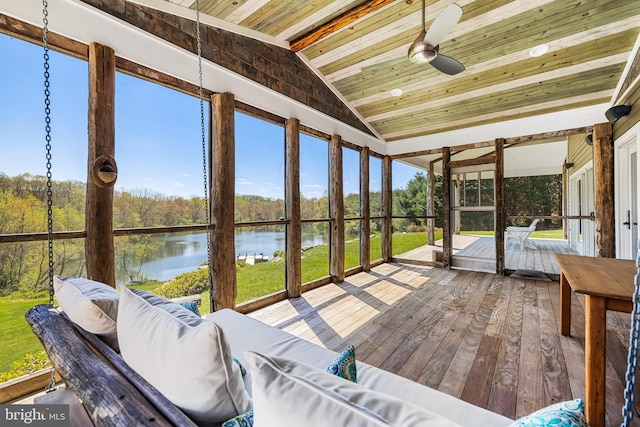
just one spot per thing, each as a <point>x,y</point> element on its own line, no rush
<point>473,218</point>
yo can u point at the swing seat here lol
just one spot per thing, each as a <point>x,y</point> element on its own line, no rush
<point>113,394</point>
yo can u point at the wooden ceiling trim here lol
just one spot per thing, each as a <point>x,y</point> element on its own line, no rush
<point>445,96</point>
<point>518,140</point>
<point>337,23</point>
<point>566,87</point>
<point>587,40</point>
<point>523,112</point>
<point>343,56</point>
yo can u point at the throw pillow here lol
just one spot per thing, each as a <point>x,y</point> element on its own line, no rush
<point>563,414</point>
<point>89,304</point>
<point>242,420</point>
<point>345,365</point>
<point>192,306</point>
<point>287,393</point>
<point>185,357</point>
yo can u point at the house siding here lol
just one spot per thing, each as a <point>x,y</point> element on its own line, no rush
<point>579,152</point>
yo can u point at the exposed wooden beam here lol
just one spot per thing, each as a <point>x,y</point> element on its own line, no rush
<point>336,208</point>
<point>387,190</point>
<point>292,196</point>
<point>101,165</point>
<point>500,206</point>
<point>365,207</point>
<point>222,161</point>
<point>446,208</point>
<point>603,153</point>
<point>341,21</point>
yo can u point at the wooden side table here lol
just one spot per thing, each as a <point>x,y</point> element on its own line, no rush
<point>607,284</point>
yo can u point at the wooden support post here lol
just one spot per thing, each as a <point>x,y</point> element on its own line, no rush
<point>431,185</point>
<point>292,196</point>
<point>604,179</point>
<point>387,226</point>
<point>336,208</point>
<point>499,205</point>
<point>446,207</point>
<point>365,214</point>
<point>565,202</point>
<point>223,262</point>
<point>101,167</point>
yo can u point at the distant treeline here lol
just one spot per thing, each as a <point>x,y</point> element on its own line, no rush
<point>23,198</point>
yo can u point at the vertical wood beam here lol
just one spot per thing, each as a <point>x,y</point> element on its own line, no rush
<point>499,221</point>
<point>604,186</point>
<point>446,207</point>
<point>336,208</point>
<point>365,208</point>
<point>387,227</point>
<point>223,262</point>
<point>292,197</point>
<point>431,185</point>
<point>99,249</point>
<point>565,202</point>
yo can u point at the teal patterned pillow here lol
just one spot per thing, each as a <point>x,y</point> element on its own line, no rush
<point>563,414</point>
<point>192,306</point>
<point>242,420</point>
<point>345,365</point>
<point>243,371</point>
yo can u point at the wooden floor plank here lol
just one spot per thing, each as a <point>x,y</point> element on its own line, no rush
<point>530,389</point>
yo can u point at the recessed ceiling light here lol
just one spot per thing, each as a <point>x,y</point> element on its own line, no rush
<point>539,50</point>
<point>396,92</point>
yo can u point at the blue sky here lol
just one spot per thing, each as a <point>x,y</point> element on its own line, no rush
<point>158,136</point>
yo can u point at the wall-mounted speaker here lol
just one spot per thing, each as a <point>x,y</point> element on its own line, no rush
<point>614,113</point>
<point>589,139</point>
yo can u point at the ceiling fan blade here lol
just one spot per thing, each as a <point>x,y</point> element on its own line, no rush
<point>443,24</point>
<point>447,65</point>
<point>384,64</point>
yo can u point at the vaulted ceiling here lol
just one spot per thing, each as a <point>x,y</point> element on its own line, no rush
<point>360,49</point>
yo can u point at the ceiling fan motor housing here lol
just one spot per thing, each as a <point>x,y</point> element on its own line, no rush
<point>421,52</point>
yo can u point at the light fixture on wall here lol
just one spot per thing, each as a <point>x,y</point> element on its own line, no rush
<point>589,139</point>
<point>614,113</point>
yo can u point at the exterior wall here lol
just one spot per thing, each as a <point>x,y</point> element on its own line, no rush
<point>629,95</point>
<point>579,152</point>
<point>274,67</point>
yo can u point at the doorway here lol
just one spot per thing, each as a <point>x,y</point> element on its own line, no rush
<point>626,209</point>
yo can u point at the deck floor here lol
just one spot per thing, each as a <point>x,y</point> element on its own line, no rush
<point>487,339</point>
<point>482,249</point>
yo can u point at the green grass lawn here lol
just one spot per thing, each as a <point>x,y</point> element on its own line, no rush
<point>16,336</point>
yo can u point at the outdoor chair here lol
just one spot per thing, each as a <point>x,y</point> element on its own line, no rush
<point>522,234</point>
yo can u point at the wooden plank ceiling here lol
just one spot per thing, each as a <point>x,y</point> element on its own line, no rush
<point>590,42</point>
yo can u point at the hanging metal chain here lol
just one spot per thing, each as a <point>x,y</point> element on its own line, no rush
<point>47,112</point>
<point>632,359</point>
<point>204,151</point>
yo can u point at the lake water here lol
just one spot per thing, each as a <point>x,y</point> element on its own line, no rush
<point>181,252</point>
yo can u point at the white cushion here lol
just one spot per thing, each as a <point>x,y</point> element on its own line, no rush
<point>290,393</point>
<point>185,357</point>
<point>89,304</point>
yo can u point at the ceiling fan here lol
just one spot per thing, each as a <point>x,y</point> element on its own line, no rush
<point>426,47</point>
